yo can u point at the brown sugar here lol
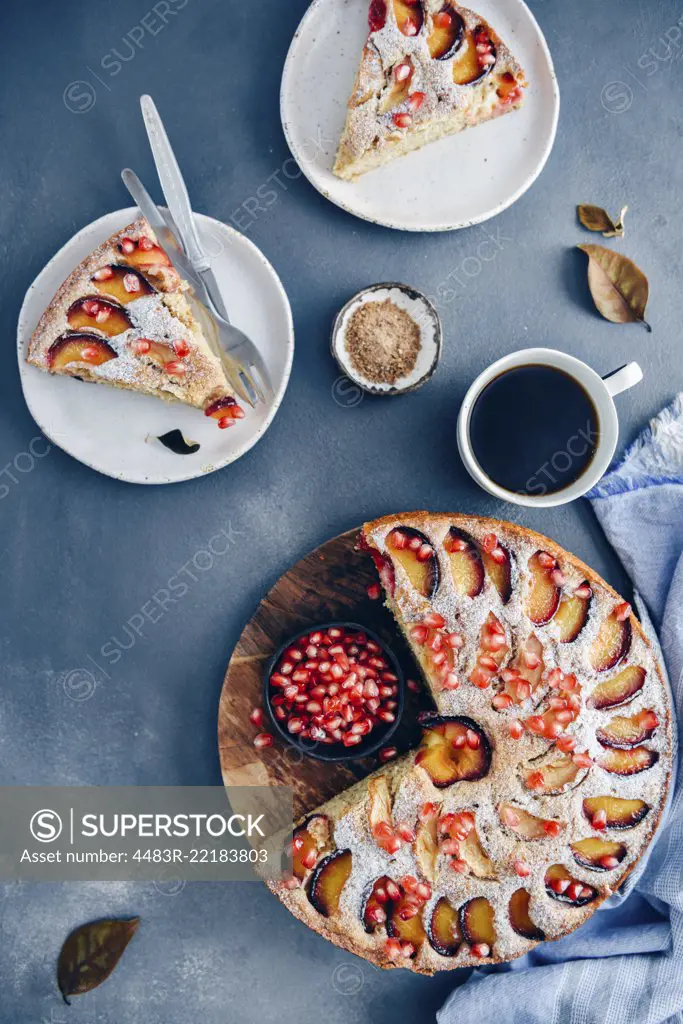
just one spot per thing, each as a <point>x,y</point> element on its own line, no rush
<point>382,341</point>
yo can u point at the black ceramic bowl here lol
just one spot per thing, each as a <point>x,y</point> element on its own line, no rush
<point>379,737</point>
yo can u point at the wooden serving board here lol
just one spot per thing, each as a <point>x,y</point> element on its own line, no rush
<point>330,584</point>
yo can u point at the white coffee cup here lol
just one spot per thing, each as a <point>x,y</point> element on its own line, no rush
<point>601,391</point>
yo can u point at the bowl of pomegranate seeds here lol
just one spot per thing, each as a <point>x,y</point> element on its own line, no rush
<point>335,692</point>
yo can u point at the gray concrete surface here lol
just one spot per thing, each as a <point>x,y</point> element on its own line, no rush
<point>80,553</point>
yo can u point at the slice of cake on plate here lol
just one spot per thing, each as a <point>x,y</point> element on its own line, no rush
<point>428,70</point>
<point>122,318</point>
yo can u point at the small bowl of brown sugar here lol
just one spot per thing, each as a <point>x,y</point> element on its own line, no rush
<point>387,339</point>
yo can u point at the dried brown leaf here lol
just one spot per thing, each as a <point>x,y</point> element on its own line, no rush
<point>619,288</point>
<point>91,953</point>
<point>594,218</point>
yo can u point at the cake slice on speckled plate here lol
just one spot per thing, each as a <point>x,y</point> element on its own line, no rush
<point>429,69</point>
<point>542,771</point>
<point>122,318</point>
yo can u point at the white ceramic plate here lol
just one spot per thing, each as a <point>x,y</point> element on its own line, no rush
<point>454,183</point>
<point>115,431</point>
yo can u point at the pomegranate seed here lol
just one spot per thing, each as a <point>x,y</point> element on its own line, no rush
<point>555,677</point>
<point>89,353</point>
<point>455,640</point>
<point>480,949</point>
<point>453,544</point>
<point>582,759</point>
<point>574,890</point>
<point>415,101</point>
<point>290,882</point>
<point>393,891</point>
<point>501,701</point>
<point>584,592</point>
<point>410,27</point>
<point>442,19</point>
<point>426,551</point>
<point>434,621</point>
<point>599,821</point>
<point>310,859</point>
<point>408,910</point>
<point>516,729</point>
<point>102,315</point>
<point>509,817</point>
<point>473,739</point>
<point>392,844</point>
<point>536,725</point>
<point>522,868</point>
<point>559,885</point>
<point>523,690</point>
<point>127,246</point>
<point>386,716</point>
<point>419,634</point>
<point>413,685</point>
<point>377,15</point>
<point>256,717</point>
<point>377,915</point>
<point>622,611</point>
<point>264,739</point>
<point>489,541</point>
<point>531,660</point>
<point>536,780</point>
<point>414,544</point>
<point>459,742</point>
<point>552,828</point>
<point>392,948</point>
<point>401,73</point>
<point>566,744</point>
<point>387,754</point>
<point>90,306</point>
<point>131,283</point>
<point>406,833</point>
<point>558,578</point>
<point>437,642</point>
<point>480,677</point>
<point>374,591</point>
<point>439,659</point>
<point>145,243</point>
<point>450,682</point>
<point>382,830</point>
<point>545,560</point>
<point>460,866</point>
<point>103,274</point>
<point>407,950</point>
<point>424,891</point>
<point>609,863</point>
<point>182,348</point>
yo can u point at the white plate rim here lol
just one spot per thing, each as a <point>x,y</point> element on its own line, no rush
<point>398,225</point>
<point>24,331</point>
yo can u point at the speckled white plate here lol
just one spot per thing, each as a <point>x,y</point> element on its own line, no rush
<point>115,431</point>
<point>454,183</point>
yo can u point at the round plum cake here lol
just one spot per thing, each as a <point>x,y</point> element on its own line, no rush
<point>541,774</point>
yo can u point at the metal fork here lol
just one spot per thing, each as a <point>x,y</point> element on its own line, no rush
<point>164,227</point>
<point>240,349</point>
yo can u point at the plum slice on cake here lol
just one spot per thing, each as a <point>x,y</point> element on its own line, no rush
<point>123,318</point>
<point>429,69</point>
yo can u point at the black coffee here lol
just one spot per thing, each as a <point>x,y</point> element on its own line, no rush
<point>534,430</point>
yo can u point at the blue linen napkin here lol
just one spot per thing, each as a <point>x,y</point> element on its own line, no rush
<point>624,966</point>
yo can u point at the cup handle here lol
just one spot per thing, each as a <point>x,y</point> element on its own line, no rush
<point>623,378</point>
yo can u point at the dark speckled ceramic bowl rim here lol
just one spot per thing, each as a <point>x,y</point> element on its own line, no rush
<point>416,296</point>
<point>371,743</point>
